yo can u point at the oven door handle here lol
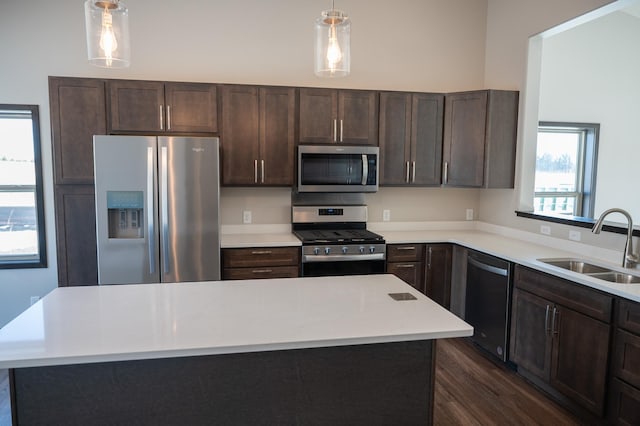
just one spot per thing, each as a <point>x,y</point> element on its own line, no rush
<point>365,169</point>
<point>341,257</point>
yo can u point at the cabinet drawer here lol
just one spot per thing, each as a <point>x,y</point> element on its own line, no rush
<point>626,356</point>
<point>260,273</point>
<point>629,315</point>
<point>262,256</point>
<point>571,295</point>
<point>624,404</point>
<point>405,252</point>
<point>409,272</point>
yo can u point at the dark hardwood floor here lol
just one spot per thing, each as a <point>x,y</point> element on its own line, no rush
<point>470,390</point>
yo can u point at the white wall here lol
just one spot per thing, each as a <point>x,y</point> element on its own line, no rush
<point>428,45</point>
<point>590,74</point>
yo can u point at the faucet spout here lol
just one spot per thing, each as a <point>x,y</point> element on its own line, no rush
<point>630,258</point>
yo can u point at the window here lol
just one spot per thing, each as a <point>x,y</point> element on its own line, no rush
<point>22,239</point>
<point>566,168</point>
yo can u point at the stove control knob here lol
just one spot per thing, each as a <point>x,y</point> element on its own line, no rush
<point>316,251</point>
<point>361,249</point>
<point>372,249</point>
<point>345,250</point>
<point>327,250</point>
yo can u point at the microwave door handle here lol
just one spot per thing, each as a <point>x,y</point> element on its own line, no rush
<point>365,169</point>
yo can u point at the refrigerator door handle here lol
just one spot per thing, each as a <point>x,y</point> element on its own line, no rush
<point>164,212</point>
<point>151,240</point>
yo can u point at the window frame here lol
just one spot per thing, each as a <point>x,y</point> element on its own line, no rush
<point>586,169</point>
<point>11,262</point>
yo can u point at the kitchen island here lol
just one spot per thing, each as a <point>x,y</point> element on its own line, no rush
<point>333,350</point>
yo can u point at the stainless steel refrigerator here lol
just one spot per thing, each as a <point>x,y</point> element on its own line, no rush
<point>157,215</point>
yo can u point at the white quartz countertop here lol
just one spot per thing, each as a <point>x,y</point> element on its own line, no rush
<point>522,252</point>
<point>125,322</point>
<point>281,239</point>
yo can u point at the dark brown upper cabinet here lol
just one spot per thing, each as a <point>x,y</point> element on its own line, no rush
<point>258,135</point>
<point>480,139</point>
<point>157,107</point>
<point>410,138</point>
<point>78,111</point>
<point>338,116</point>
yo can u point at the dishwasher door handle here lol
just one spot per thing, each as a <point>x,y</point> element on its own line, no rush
<point>488,268</point>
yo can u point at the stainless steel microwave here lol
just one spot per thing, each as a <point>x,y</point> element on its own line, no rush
<point>331,168</point>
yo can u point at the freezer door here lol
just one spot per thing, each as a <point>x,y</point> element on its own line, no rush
<point>188,182</point>
<point>126,209</point>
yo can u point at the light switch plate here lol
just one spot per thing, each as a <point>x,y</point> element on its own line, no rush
<point>246,216</point>
<point>469,214</point>
<point>545,229</point>
<point>575,235</point>
<point>386,215</point>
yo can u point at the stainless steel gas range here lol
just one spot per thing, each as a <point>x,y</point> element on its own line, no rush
<point>335,241</point>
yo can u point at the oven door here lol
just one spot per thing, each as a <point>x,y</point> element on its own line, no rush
<point>337,168</point>
<point>351,267</point>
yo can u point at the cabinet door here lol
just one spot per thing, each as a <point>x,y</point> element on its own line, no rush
<point>239,143</point>
<point>191,107</point>
<point>78,111</point>
<point>136,106</point>
<point>358,117</point>
<point>530,326</point>
<point>409,272</point>
<point>438,273</point>
<point>277,135</point>
<point>426,138</point>
<point>464,136</point>
<point>318,118</point>
<point>624,404</point>
<point>395,138</point>
<point>76,235</point>
<point>580,357</point>
<point>626,354</point>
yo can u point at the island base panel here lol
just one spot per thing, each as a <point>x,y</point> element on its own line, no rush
<point>390,383</point>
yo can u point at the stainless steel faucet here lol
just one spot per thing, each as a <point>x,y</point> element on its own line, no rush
<point>630,258</point>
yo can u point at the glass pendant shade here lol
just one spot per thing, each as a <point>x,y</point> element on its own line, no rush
<point>333,44</point>
<point>107,25</point>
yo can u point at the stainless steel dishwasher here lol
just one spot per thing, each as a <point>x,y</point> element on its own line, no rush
<point>488,302</point>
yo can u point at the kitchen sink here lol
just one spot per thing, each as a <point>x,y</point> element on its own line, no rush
<point>591,270</point>
<point>617,277</point>
<point>575,265</point>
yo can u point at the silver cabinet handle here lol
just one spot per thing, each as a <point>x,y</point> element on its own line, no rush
<point>341,130</point>
<point>165,208</point>
<point>365,169</point>
<point>429,258</point>
<point>547,330</point>
<point>407,248</point>
<point>406,266</point>
<point>168,117</point>
<point>407,178</point>
<point>262,271</point>
<point>446,172</point>
<point>255,171</point>
<point>161,117</point>
<point>151,239</point>
<point>413,172</point>
<point>261,171</point>
<point>335,130</point>
<point>553,321</point>
<point>261,252</point>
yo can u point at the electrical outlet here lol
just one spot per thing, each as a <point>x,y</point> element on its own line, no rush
<point>545,229</point>
<point>34,299</point>
<point>246,216</point>
<point>575,235</point>
<point>386,215</point>
<point>469,214</point>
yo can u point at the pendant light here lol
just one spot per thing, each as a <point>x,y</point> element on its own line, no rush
<point>107,25</point>
<point>333,40</point>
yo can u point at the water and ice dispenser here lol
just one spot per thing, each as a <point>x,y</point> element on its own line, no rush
<point>125,210</point>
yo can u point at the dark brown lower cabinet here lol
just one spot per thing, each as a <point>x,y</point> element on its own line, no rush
<point>260,263</point>
<point>560,334</point>
<point>438,273</point>
<point>406,261</point>
<point>76,235</point>
<point>624,393</point>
